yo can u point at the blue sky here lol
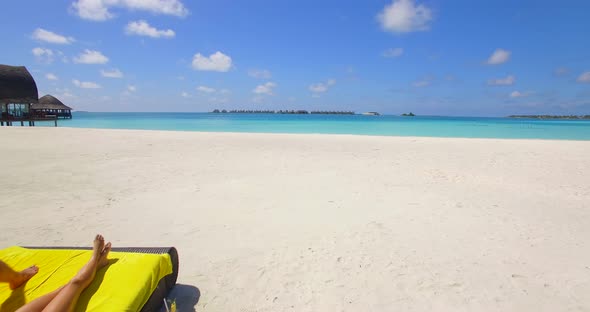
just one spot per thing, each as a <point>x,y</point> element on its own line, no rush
<point>454,57</point>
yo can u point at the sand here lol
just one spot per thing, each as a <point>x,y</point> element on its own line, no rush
<point>276,222</point>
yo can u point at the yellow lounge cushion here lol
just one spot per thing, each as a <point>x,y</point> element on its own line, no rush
<point>124,285</point>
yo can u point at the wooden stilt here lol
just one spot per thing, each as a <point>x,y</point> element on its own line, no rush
<point>31,121</point>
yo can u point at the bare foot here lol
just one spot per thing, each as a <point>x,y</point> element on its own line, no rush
<point>98,246</point>
<point>23,276</point>
<point>103,260</point>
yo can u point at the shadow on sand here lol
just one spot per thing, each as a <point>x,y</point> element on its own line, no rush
<point>185,296</point>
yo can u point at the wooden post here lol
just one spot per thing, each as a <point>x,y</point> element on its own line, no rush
<point>56,121</point>
<point>22,123</point>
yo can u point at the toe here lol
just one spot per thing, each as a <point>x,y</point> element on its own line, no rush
<point>107,248</point>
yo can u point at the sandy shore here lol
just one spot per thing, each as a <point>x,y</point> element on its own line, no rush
<point>274,222</point>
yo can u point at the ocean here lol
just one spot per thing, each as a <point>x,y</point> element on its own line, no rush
<point>429,126</point>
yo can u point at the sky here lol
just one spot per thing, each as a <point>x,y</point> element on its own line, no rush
<point>451,57</point>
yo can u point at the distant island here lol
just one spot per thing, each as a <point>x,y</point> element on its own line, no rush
<point>295,112</point>
<point>551,116</point>
<point>408,115</point>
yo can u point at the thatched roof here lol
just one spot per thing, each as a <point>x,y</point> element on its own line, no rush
<point>50,102</point>
<point>17,85</point>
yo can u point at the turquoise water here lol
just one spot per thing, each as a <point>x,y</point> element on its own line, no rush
<point>464,127</point>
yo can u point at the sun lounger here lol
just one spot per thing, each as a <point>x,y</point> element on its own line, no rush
<point>136,279</point>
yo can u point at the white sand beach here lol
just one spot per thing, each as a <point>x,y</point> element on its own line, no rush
<point>277,222</point>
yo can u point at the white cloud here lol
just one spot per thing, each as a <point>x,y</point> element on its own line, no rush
<point>507,81</point>
<point>218,100</point>
<point>518,94</point>
<point>212,91</point>
<point>499,56</point>
<point>41,51</point>
<point>66,94</point>
<point>98,10</point>
<point>205,89</point>
<point>402,16</point>
<point>424,82</point>
<point>259,73</point>
<point>584,77</point>
<point>86,84</point>
<point>63,57</point>
<point>63,93</point>
<point>91,57</point>
<point>185,95</point>
<point>215,62</point>
<point>394,52</point>
<point>113,73</point>
<point>43,55</point>
<point>51,76</point>
<point>322,87</point>
<point>561,71</point>
<point>51,37</point>
<point>266,88</point>
<point>142,28</point>
<point>131,88</point>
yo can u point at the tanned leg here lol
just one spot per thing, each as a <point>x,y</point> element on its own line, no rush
<point>65,298</point>
<point>40,303</point>
<point>16,279</point>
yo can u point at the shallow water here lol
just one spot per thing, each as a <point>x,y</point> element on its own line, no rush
<point>463,127</point>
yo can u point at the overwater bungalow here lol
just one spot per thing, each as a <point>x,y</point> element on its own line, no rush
<point>18,91</point>
<point>50,105</point>
<point>290,112</point>
<point>332,112</point>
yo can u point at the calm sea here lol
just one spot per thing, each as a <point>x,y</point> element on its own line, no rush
<point>463,127</point>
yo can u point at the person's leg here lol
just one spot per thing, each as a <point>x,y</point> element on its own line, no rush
<point>40,303</point>
<point>16,279</point>
<point>66,298</point>
<point>73,289</point>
